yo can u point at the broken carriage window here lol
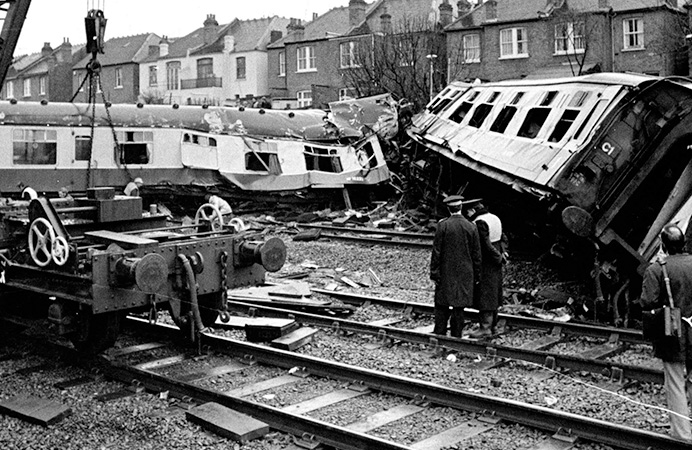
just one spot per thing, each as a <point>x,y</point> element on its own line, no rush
<point>483,110</point>
<point>260,162</point>
<point>443,102</point>
<point>458,115</point>
<point>135,146</point>
<point>322,159</point>
<point>366,156</point>
<point>533,123</point>
<point>34,146</point>
<point>82,148</point>
<point>563,125</point>
<point>548,98</point>
<point>502,121</point>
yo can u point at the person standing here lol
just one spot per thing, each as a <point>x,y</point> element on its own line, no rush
<point>676,352</point>
<point>132,188</point>
<point>488,297</point>
<point>223,206</point>
<point>455,267</point>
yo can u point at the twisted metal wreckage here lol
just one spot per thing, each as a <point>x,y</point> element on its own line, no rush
<point>609,153</point>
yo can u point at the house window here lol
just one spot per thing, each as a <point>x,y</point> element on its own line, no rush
<point>78,79</point>
<point>82,148</point>
<point>42,86</point>
<point>569,38</point>
<point>633,34</point>
<point>348,54</point>
<point>345,94</point>
<point>27,87</point>
<point>304,98</point>
<point>322,160</point>
<point>9,89</point>
<point>306,58</point>
<point>282,64</point>
<point>153,75</point>
<point>205,68</point>
<point>472,48</point>
<point>118,77</point>
<point>135,146</point>
<point>513,43</point>
<point>240,68</point>
<point>173,75</point>
<point>34,146</point>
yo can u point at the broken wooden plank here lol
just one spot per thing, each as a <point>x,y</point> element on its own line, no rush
<point>36,410</point>
<point>227,422</point>
<point>294,339</point>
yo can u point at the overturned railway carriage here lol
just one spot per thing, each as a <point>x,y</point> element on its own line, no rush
<point>53,146</point>
<point>611,152</point>
<point>100,257</point>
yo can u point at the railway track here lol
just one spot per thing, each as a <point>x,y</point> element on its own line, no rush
<point>327,384</point>
<point>481,412</point>
<point>373,236</point>
<point>493,355</point>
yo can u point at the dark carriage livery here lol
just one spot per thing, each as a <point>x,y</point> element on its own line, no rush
<point>609,152</point>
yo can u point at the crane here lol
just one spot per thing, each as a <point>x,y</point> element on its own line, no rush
<point>14,14</point>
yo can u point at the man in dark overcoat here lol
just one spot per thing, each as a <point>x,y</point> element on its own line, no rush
<point>455,267</point>
<point>676,352</point>
<point>488,296</point>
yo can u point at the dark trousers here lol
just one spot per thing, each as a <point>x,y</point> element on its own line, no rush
<point>442,316</point>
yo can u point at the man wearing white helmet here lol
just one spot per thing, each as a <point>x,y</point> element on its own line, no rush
<point>132,188</point>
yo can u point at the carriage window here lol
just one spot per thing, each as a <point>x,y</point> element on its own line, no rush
<point>322,159</point>
<point>34,146</point>
<point>366,156</point>
<point>263,162</point>
<point>135,146</point>
<point>473,96</point>
<point>480,114</point>
<point>493,96</point>
<point>563,125</point>
<point>516,98</point>
<point>535,119</point>
<point>461,112</point>
<point>503,119</point>
<point>82,148</point>
<point>212,142</point>
<point>199,140</point>
<point>578,99</point>
<point>548,98</point>
<point>440,105</point>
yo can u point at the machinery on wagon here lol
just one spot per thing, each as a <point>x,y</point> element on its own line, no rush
<point>99,257</point>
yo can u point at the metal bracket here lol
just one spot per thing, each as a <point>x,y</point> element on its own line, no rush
<point>617,375</point>
<point>491,353</point>
<point>419,400</point>
<point>300,372</point>
<point>550,363</point>
<point>248,360</point>
<point>565,435</point>
<point>357,386</point>
<point>488,417</point>
<point>307,441</point>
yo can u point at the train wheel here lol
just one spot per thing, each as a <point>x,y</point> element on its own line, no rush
<point>97,332</point>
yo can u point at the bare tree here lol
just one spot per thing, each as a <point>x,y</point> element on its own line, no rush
<point>576,35</point>
<point>398,62</point>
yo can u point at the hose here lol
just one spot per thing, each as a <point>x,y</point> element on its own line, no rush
<point>191,284</point>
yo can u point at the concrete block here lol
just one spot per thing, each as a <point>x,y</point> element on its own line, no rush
<point>227,422</point>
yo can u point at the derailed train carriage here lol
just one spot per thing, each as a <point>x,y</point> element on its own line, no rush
<point>54,146</point>
<point>611,153</point>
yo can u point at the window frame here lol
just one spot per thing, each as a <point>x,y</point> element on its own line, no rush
<point>154,80</point>
<point>282,63</point>
<point>42,85</point>
<point>205,68</point>
<point>570,38</point>
<point>352,48</point>
<point>476,56</point>
<point>9,89</point>
<point>26,87</point>
<point>240,75</point>
<point>515,43</point>
<point>173,68</point>
<point>307,59</point>
<point>118,78</point>
<point>47,143</point>
<point>628,33</point>
<point>304,98</point>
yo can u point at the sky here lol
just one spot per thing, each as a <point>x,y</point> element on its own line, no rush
<point>52,20</point>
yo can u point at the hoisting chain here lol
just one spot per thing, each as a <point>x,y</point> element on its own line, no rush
<point>3,264</point>
<point>223,260</point>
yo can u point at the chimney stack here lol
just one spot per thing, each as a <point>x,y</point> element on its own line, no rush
<point>386,22</point>
<point>163,46</point>
<point>463,7</point>
<point>491,10</point>
<point>47,49</point>
<point>210,28</point>
<point>296,29</point>
<point>446,13</point>
<point>356,12</point>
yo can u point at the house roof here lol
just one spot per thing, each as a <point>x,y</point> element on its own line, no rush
<point>514,11</point>
<point>248,35</point>
<point>123,50</point>
<point>24,63</point>
<point>334,22</point>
